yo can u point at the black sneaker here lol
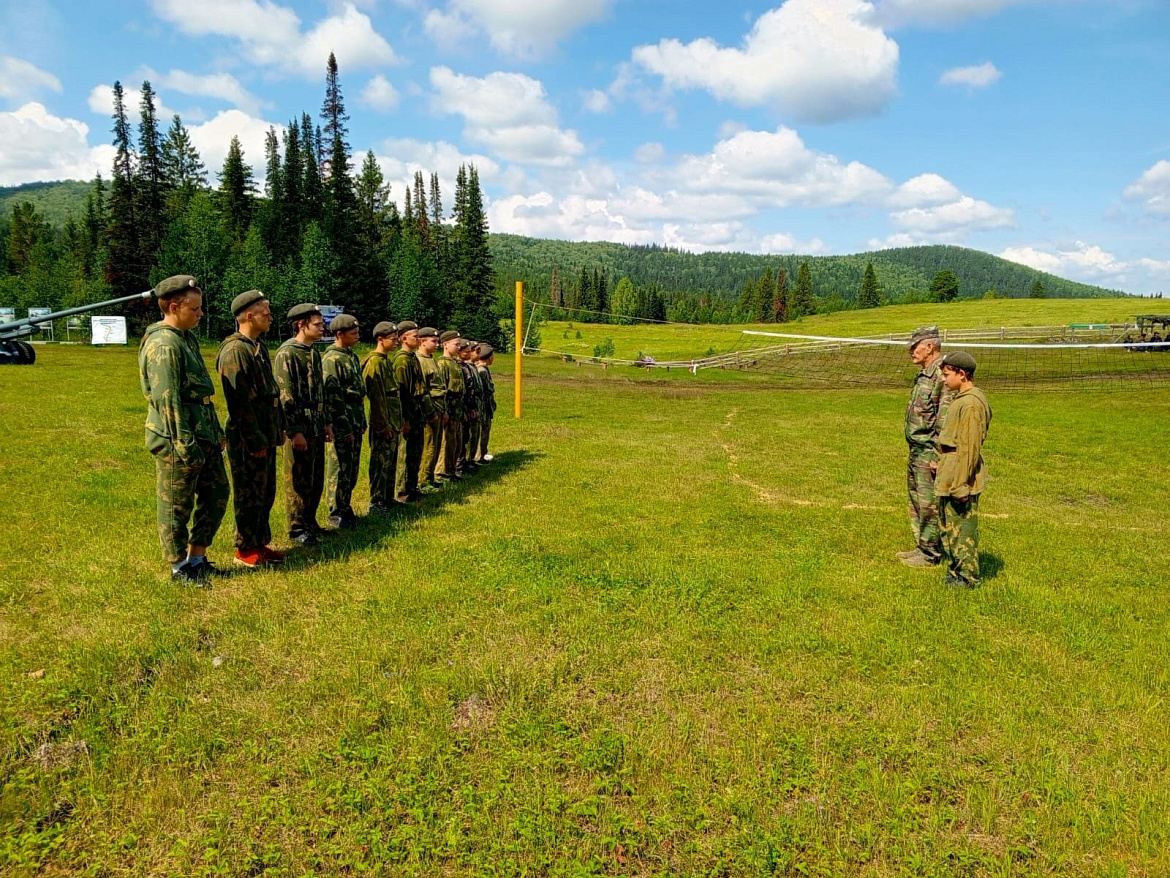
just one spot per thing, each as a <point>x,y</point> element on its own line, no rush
<point>207,568</point>
<point>956,582</point>
<point>188,575</point>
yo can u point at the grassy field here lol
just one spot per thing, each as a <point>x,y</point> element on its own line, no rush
<point>663,634</point>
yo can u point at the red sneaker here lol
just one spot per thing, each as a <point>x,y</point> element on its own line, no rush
<point>271,556</point>
<point>250,558</point>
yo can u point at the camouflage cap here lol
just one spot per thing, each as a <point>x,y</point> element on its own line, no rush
<point>384,329</point>
<point>244,301</point>
<point>959,360</point>
<point>448,335</point>
<point>406,326</point>
<point>175,284</point>
<point>342,322</point>
<point>484,351</point>
<point>924,333</point>
<point>428,332</point>
<point>300,312</point>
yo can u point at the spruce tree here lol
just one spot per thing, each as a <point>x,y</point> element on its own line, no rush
<point>601,293</point>
<point>780,302</point>
<point>333,112</point>
<point>285,246</point>
<point>422,220</point>
<point>944,287</point>
<point>236,188</point>
<point>765,298</point>
<point>870,295</point>
<point>183,170</point>
<point>802,294</point>
<point>271,212</point>
<point>312,187</point>
<point>373,197</point>
<point>151,183</point>
<point>124,272</point>
<point>1037,291</point>
<point>473,310</point>
<point>554,293</point>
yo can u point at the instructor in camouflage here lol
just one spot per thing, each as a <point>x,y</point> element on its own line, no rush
<point>255,427</point>
<point>924,417</point>
<point>183,432</point>
<point>345,395</point>
<point>302,398</point>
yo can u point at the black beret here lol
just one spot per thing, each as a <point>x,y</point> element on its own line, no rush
<point>342,322</point>
<point>428,332</point>
<point>959,360</point>
<point>172,286</point>
<point>448,335</point>
<point>244,301</point>
<point>384,329</point>
<point>484,351</point>
<point>300,312</point>
<point>407,326</point>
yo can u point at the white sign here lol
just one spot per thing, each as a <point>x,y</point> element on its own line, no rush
<point>108,330</point>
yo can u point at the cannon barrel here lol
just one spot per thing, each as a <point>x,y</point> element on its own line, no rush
<point>13,329</point>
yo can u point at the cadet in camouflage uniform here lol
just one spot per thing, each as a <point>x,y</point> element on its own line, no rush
<point>428,343</point>
<point>961,475</point>
<point>183,432</point>
<point>472,400</point>
<point>416,411</point>
<point>385,417</point>
<point>451,375</point>
<point>302,397</point>
<point>255,427</point>
<point>345,394</point>
<point>485,353</point>
<point>924,417</point>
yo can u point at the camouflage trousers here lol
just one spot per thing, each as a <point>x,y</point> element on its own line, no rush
<point>447,449</point>
<point>253,493</point>
<point>341,474</point>
<point>960,537</point>
<point>923,509</point>
<point>471,443</point>
<point>189,493</point>
<point>304,481</point>
<point>410,451</point>
<point>432,444</point>
<point>485,433</point>
<point>383,464</point>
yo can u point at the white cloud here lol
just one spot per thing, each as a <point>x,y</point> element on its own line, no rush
<point>952,222</point>
<point>649,153</point>
<point>379,94</point>
<point>222,86</point>
<point>1153,189</point>
<point>508,113</point>
<point>20,80</point>
<point>894,13</point>
<point>819,60</point>
<point>925,190</point>
<point>36,145</point>
<point>597,101</point>
<point>270,34</point>
<point>518,28</point>
<point>213,137</point>
<point>977,76</point>
<point>1091,263</point>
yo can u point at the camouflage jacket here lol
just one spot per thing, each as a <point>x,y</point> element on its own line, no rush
<point>436,389</point>
<point>471,392</point>
<point>452,377</point>
<point>345,391</point>
<point>961,472</point>
<point>254,418</point>
<point>927,408</point>
<point>489,390</point>
<point>302,389</point>
<point>412,388</point>
<point>178,392</point>
<point>382,392</point>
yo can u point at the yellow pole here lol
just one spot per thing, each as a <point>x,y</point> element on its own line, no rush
<point>519,343</point>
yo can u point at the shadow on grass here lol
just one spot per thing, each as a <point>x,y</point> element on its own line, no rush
<point>989,565</point>
<point>377,531</point>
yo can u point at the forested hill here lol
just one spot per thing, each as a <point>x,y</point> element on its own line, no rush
<point>53,201</point>
<point>903,272</point>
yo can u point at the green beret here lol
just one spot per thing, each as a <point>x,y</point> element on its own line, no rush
<point>448,335</point>
<point>484,351</point>
<point>172,286</point>
<point>300,312</point>
<point>428,332</point>
<point>384,329</point>
<point>924,333</point>
<point>467,344</point>
<point>959,360</point>
<point>244,301</point>
<point>406,326</point>
<point>342,322</point>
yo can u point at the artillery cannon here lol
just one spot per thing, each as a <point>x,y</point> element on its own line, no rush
<point>15,352</point>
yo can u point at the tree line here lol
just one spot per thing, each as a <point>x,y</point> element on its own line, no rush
<point>321,230</point>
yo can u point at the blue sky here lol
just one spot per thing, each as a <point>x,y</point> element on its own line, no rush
<point>1034,129</point>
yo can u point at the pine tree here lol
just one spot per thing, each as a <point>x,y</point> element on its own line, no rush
<point>802,294</point>
<point>151,183</point>
<point>373,198</point>
<point>1037,291</point>
<point>585,300</point>
<point>422,220</point>
<point>93,224</point>
<point>944,287</point>
<point>312,187</point>
<point>270,214</point>
<point>747,300</point>
<point>870,295</point>
<point>765,299</point>
<point>183,170</point>
<point>333,112</point>
<point>473,312</point>
<point>124,270</point>
<point>285,245</point>
<point>780,302</point>
<point>236,189</point>
<point>601,293</point>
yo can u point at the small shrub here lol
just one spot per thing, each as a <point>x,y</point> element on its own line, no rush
<point>605,349</point>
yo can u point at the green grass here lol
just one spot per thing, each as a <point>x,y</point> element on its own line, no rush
<point>664,634</point>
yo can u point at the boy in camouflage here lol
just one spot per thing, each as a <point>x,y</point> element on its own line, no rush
<point>472,400</point>
<point>183,432</point>
<point>451,375</point>
<point>961,475</point>
<point>345,394</point>
<point>416,411</point>
<point>385,417</point>
<point>485,354</point>
<point>428,338</point>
